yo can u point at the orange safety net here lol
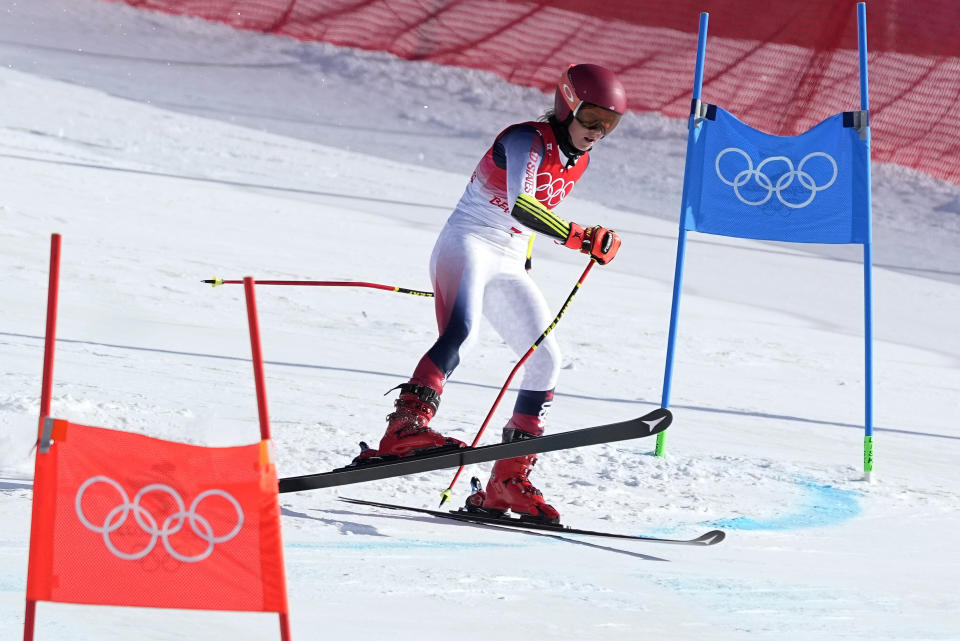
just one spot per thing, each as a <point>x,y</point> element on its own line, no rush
<point>779,66</point>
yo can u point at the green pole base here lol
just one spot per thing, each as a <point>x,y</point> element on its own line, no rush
<point>661,442</point>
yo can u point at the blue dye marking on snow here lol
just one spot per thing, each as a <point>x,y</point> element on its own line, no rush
<point>402,544</point>
<point>821,506</point>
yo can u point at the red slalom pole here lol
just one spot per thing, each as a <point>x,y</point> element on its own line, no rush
<point>257,357</point>
<point>322,283</point>
<point>445,495</point>
<point>50,337</point>
<point>46,388</point>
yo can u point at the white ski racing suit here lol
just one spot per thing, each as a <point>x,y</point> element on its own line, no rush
<point>478,263</point>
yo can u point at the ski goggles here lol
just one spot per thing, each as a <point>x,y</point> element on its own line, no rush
<point>595,117</point>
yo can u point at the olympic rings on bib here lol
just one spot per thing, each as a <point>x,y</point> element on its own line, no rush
<point>552,193</point>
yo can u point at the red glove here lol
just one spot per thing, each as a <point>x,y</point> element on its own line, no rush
<point>601,243</point>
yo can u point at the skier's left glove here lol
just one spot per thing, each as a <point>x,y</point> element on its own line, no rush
<point>601,243</point>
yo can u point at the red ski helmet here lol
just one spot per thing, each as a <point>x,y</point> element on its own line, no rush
<point>586,85</point>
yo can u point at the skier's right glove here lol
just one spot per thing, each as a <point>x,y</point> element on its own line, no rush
<point>600,243</point>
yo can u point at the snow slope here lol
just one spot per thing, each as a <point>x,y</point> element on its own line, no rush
<point>170,150</point>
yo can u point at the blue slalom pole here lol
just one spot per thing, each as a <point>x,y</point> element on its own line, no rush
<point>867,254</point>
<point>693,132</point>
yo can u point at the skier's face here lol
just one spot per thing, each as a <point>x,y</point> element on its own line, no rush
<point>582,138</point>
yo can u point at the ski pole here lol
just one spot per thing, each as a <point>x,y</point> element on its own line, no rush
<point>528,264</point>
<point>215,281</point>
<point>445,495</point>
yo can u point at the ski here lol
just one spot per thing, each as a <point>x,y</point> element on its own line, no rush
<point>708,538</point>
<point>647,425</point>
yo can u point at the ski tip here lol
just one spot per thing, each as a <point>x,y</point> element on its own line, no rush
<point>711,538</point>
<point>444,496</point>
<point>213,282</point>
<point>657,421</point>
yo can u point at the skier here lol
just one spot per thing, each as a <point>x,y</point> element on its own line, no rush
<point>477,268</point>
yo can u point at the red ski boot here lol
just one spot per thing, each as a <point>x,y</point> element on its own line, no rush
<point>407,432</point>
<point>509,488</point>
